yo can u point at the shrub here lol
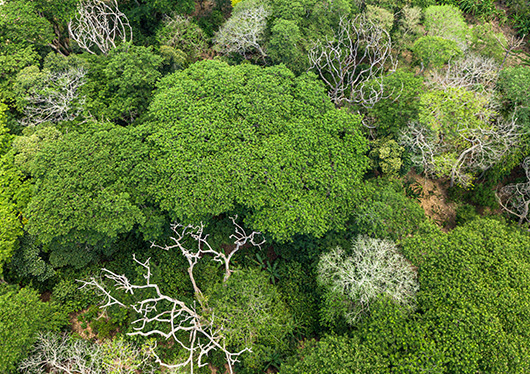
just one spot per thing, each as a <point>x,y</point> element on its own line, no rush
<point>386,212</point>
<point>446,21</point>
<point>434,51</point>
<point>379,16</point>
<point>22,316</point>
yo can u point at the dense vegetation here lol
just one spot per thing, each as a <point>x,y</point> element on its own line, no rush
<point>251,186</point>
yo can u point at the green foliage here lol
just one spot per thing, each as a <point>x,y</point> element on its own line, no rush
<point>434,51</point>
<point>83,193</point>
<point>446,21</point>
<point>22,315</point>
<point>297,285</point>
<point>401,106</point>
<point>119,85</point>
<point>519,14</point>
<point>386,154</point>
<point>11,63</point>
<point>21,26</point>
<point>474,295</point>
<point>486,41</point>
<point>514,84</point>
<point>13,196</point>
<point>227,138</point>
<point>284,46</point>
<point>386,212</point>
<point>252,314</point>
<point>334,355</point>
<point>483,8</point>
<point>28,262</point>
<point>380,17</point>
<point>444,110</point>
<point>184,37</point>
<point>465,213</point>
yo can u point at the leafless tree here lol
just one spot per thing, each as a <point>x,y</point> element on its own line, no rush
<point>471,72</point>
<point>510,46</point>
<point>375,268</point>
<point>354,62</point>
<point>58,101</point>
<point>243,32</point>
<point>99,24</point>
<point>472,149</point>
<point>515,198</point>
<point>196,322</point>
<point>54,353</point>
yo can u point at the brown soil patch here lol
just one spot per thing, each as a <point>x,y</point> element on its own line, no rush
<point>75,324</point>
<point>435,201</point>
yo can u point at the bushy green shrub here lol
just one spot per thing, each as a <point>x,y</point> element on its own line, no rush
<point>446,21</point>
<point>474,297</point>
<point>514,85</point>
<point>22,316</point>
<point>434,51</point>
<point>486,41</point>
<point>380,17</point>
<point>386,155</point>
<point>392,113</point>
<point>252,314</point>
<point>386,212</point>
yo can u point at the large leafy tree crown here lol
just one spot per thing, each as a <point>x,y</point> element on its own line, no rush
<point>255,140</point>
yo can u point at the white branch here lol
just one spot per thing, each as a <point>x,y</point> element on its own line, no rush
<point>203,335</point>
<point>58,101</point>
<point>354,62</point>
<point>99,25</point>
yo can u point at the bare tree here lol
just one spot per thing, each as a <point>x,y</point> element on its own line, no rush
<point>471,72</point>
<point>197,323</point>
<point>354,62</point>
<point>243,32</point>
<point>375,268</point>
<point>99,24</point>
<point>465,152</point>
<point>54,353</point>
<point>510,46</point>
<point>515,198</point>
<point>59,100</point>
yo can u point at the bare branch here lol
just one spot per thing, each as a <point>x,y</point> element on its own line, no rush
<point>474,149</point>
<point>99,25</point>
<point>354,62</point>
<point>471,72</point>
<point>58,101</point>
<point>243,32</point>
<point>515,198</point>
<point>375,268</point>
<point>510,46</point>
<point>203,335</point>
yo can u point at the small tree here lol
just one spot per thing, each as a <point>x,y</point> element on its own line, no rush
<point>101,25</point>
<point>51,96</point>
<point>458,135</point>
<point>515,198</point>
<point>243,32</point>
<point>374,268</point>
<point>354,62</point>
<point>197,323</point>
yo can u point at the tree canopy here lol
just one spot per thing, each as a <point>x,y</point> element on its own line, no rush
<point>259,141</point>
